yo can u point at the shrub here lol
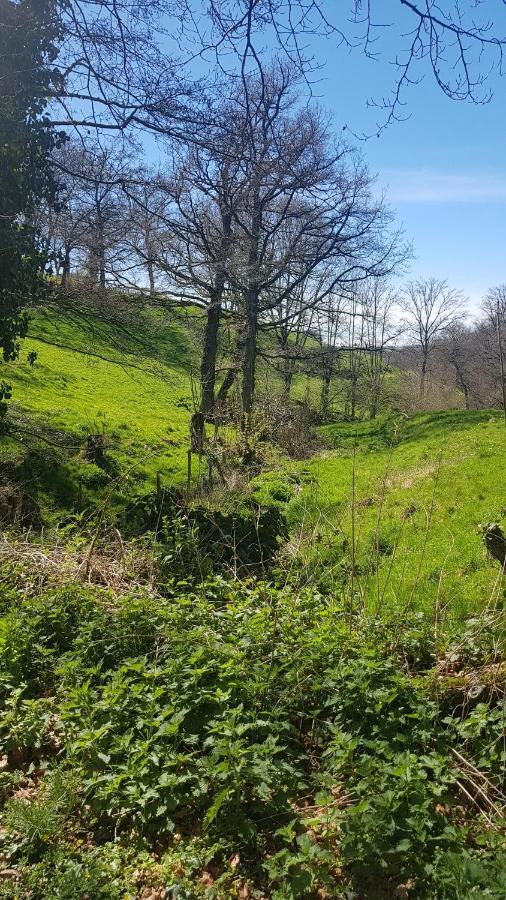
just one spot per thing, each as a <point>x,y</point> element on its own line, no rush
<point>235,720</point>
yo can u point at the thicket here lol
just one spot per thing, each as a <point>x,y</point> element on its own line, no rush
<point>184,736</point>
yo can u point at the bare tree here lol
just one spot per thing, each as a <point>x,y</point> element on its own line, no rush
<point>291,321</point>
<point>144,227</point>
<point>457,348</point>
<point>117,72</point>
<point>494,301</point>
<point>195,245</point>
<point>306,206</point>
<point>495,310</point>
<point>430,307</point>
<point>468,355</point>
<point>381,330</point>
<point>64,226</point>
<point>268,215</point>
<point>93,211</point>
<point>331,318</point>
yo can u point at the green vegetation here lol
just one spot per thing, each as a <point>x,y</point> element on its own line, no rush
<point>29,37</point>
<point>239,740</point>
<point>128,381</point>
<point>251,594</point>
<point>292,686</point>
<point>93,376</point>
<point>415,490</point>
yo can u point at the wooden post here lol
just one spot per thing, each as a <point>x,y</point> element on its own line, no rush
<point>189,474</point>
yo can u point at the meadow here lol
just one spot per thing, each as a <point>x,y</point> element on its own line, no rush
<point>409,494</point>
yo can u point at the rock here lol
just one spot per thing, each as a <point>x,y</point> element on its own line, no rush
<point>495,542</point>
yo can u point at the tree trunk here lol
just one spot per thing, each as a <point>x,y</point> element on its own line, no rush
<point>353,394</point>
<point>197,432</point>
<point>252,298</point>
<point>151,277</point>
<point>66,266</point>
<point>325,396</point>
<point>287,373</point>
<point>462,383</point>
<point>102,267</point>
<point>501,361</point>
<point>212,328</point>
<point>423,374</point>
<point>234,370</point>
<point>93,266</point>
<point>375,388</point>
<point>326,380</point>
<point>250,350</point>
<point>226,385</point>
<point>100,252</point>
<point>466,395</point>
<point>208,364</point>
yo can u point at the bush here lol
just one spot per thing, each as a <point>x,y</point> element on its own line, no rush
<point>243,738</point>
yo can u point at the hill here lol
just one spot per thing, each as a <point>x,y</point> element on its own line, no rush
<point>412,489</point>
<point>288,684</point>
<point>409,495</point>
<point>127,376</point>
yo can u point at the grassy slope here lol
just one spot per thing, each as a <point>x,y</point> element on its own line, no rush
<point>133,383</point>
<point>422,487</point>
<point>133,380</point>
<point>448,467</point>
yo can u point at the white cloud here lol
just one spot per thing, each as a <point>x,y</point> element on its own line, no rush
<point>425,186</point>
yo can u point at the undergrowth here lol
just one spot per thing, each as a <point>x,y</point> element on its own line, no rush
<point>180,737</point>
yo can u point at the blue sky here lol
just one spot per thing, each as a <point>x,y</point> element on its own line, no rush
<point>444,169</point>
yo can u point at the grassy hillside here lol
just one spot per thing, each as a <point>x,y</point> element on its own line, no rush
<point>331,726</point>
<point>414,492</point>
<point>411,490</point>
<point>131,380</point>
<point>131,377</point>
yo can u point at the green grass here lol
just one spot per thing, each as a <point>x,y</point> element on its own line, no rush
<point>422,486</point>
<point>128,372</point>
<point>99,377</point>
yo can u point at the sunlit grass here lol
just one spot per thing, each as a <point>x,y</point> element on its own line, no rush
<point>101,379</point>
<point>422,486</point>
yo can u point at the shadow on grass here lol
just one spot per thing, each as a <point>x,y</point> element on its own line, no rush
<point>142,334</point>
<point>380,434</point>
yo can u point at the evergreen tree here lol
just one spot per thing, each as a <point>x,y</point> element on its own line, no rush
<point>29,36</point>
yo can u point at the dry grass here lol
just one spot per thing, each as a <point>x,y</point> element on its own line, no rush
<point>104,560</point>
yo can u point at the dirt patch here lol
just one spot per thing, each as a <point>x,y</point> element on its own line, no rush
<point>407,479</point>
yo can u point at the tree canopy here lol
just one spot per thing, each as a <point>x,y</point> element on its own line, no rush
<point>29,36</point>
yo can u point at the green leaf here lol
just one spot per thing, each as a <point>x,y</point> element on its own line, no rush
<point>219,801</point>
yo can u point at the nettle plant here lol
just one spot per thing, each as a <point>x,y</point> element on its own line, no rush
<point>232,720</point>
